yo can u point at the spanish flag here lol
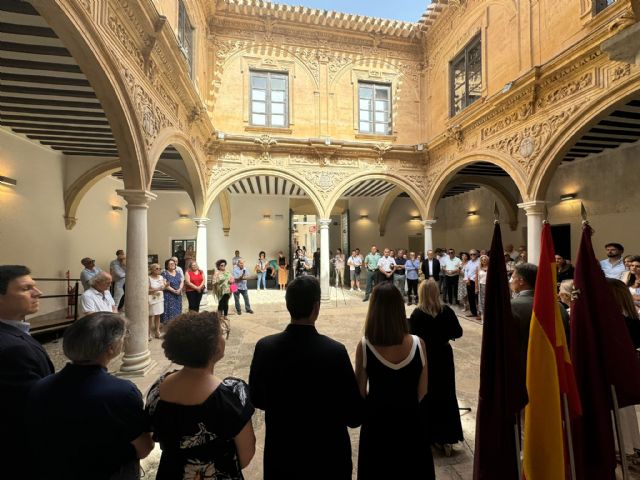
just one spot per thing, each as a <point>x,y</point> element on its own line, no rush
<point>549,377</point>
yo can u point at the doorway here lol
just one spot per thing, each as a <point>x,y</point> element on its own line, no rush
<point>561,235</point>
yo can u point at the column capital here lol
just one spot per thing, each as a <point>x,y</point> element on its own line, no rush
<point>201,221</point>
<point>428,223</point>
<point>325,222</point>
<point>137,198</point>
<point>535,207</point>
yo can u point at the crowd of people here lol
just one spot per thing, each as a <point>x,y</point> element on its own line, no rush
<point>82,421</point>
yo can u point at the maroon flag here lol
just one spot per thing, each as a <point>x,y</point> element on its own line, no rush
<point>603,356</point>
<point>502,384</point>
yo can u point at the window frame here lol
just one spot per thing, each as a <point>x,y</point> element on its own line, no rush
<point>475,42</point>
<point>186,37</point>
<point>601,5</point>
<point>372,109</point>
<point>269,75</point>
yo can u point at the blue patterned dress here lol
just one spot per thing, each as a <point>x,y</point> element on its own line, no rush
<point>172,302</point>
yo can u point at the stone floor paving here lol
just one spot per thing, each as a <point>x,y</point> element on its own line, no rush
<point>342,319</point>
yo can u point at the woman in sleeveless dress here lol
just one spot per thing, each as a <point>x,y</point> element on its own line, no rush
<point>393,440</point>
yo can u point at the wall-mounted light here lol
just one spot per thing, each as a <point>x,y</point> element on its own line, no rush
<point>364,216</point>
<point>116,208</point>
<point>415,218</point>
<point>266,216</point>
<point>568,196</point>
<point>8,181</point>
<point>420,147</point>
<point>471,213</point>
<point>183,215</point>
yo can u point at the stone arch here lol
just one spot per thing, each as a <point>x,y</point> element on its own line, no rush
<point>192,160</point>
<point>221,183</point>
<point>74,194</point>
<point>497,189</point>
<point>516,173</point>
<point>78,31</point>
<point>582,121</point>
<point>394,178</point>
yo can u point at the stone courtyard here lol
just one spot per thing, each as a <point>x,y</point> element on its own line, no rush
<point>342,320</point>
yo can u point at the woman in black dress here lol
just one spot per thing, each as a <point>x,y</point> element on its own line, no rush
<point>203,423</point>
<point>393,442</point>
<point>436,324</point>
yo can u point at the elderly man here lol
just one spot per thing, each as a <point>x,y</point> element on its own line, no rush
<point>118,270</point>
<point>90,271</point>
<point>98,298</point>
<point>88,411</point>
<point>23,362</point>
<point>240,276</point>
<point>470,271</point>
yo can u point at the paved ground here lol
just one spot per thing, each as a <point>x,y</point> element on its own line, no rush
<point>342,319</point>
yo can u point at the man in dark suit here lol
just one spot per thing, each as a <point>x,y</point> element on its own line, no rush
<point>431,267</point>
<point>305,383</point>
<point>23,361</point>
<point>523,282</point>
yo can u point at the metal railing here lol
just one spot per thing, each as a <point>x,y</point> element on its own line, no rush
<point>72,304</point>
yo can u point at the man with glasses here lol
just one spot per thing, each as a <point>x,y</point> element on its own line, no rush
<point>451,268</point>
<point>470,272</point>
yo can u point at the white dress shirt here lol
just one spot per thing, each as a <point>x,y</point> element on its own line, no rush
<point>612,270</point>
<point>387,264</point>
<point>470,270</point>
<point>94,301</point>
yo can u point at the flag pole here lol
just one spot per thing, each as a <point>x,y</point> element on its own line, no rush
<point>517,430</point>
<point>567,423</point>
<point>619,436</point>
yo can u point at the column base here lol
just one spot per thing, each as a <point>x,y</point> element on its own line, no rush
<point>137,365</point>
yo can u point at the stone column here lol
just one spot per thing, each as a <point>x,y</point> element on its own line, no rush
<point>201,251</point>
<point>137,359</point>
<point>535,212</point>
<point>324,259</point>
<point>428,235</point>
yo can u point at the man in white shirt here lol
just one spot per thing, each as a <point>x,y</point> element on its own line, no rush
<point>118,270</point>
<point>451,267</point>
<point>386,266</point>
<point>613,266</point>
<point>511,251</point>
<point>470,271</point>
<point>98,298</point>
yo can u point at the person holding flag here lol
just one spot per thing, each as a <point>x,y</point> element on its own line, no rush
<point>551,384</point>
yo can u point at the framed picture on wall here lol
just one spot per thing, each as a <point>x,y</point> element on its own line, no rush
<point>153,258</point>
<point>184,250</point>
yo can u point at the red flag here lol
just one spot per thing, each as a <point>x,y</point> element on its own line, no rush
<point>603,355</point>
<point>549,377</point>
<point>502,391</point>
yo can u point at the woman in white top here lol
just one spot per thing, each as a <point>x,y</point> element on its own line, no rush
<point>261,270</point>
<point>355,266</point>
<point>481,283</point>
<point>338,263</point>
<point>157,284</point>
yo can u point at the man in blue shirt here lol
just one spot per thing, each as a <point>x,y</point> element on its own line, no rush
<point>90,270</point>
<point>240,274</point>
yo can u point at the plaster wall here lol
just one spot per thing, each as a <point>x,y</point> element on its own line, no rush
<point>32,229</point>
<point>165,223</point>
<point>250,232</point>
<point>607,184</point>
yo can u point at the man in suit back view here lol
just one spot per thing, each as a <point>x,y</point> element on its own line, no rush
<point>305,383</point>
<point>23,361</point>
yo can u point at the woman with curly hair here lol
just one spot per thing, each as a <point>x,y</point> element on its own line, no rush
<point>202,422</point>
<point>222,281</point>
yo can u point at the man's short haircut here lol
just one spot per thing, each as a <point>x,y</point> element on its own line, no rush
<point>192,339</point>
<point>301,296</point>
<point>119,252</point>
<point>89,337</point>
<point>9,273</point>
<point>617,246</point>
<point>528,272</point>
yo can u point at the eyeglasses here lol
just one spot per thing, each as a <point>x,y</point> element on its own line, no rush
<point>225,330</point>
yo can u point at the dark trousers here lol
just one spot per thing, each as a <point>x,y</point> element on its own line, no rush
<point>223,304</point>
<point>472,296</point>
<point>194,300</point>
<point>412,287</point>
<point>245,298</point>
<point>372,279</point>
<point>451,286</point>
